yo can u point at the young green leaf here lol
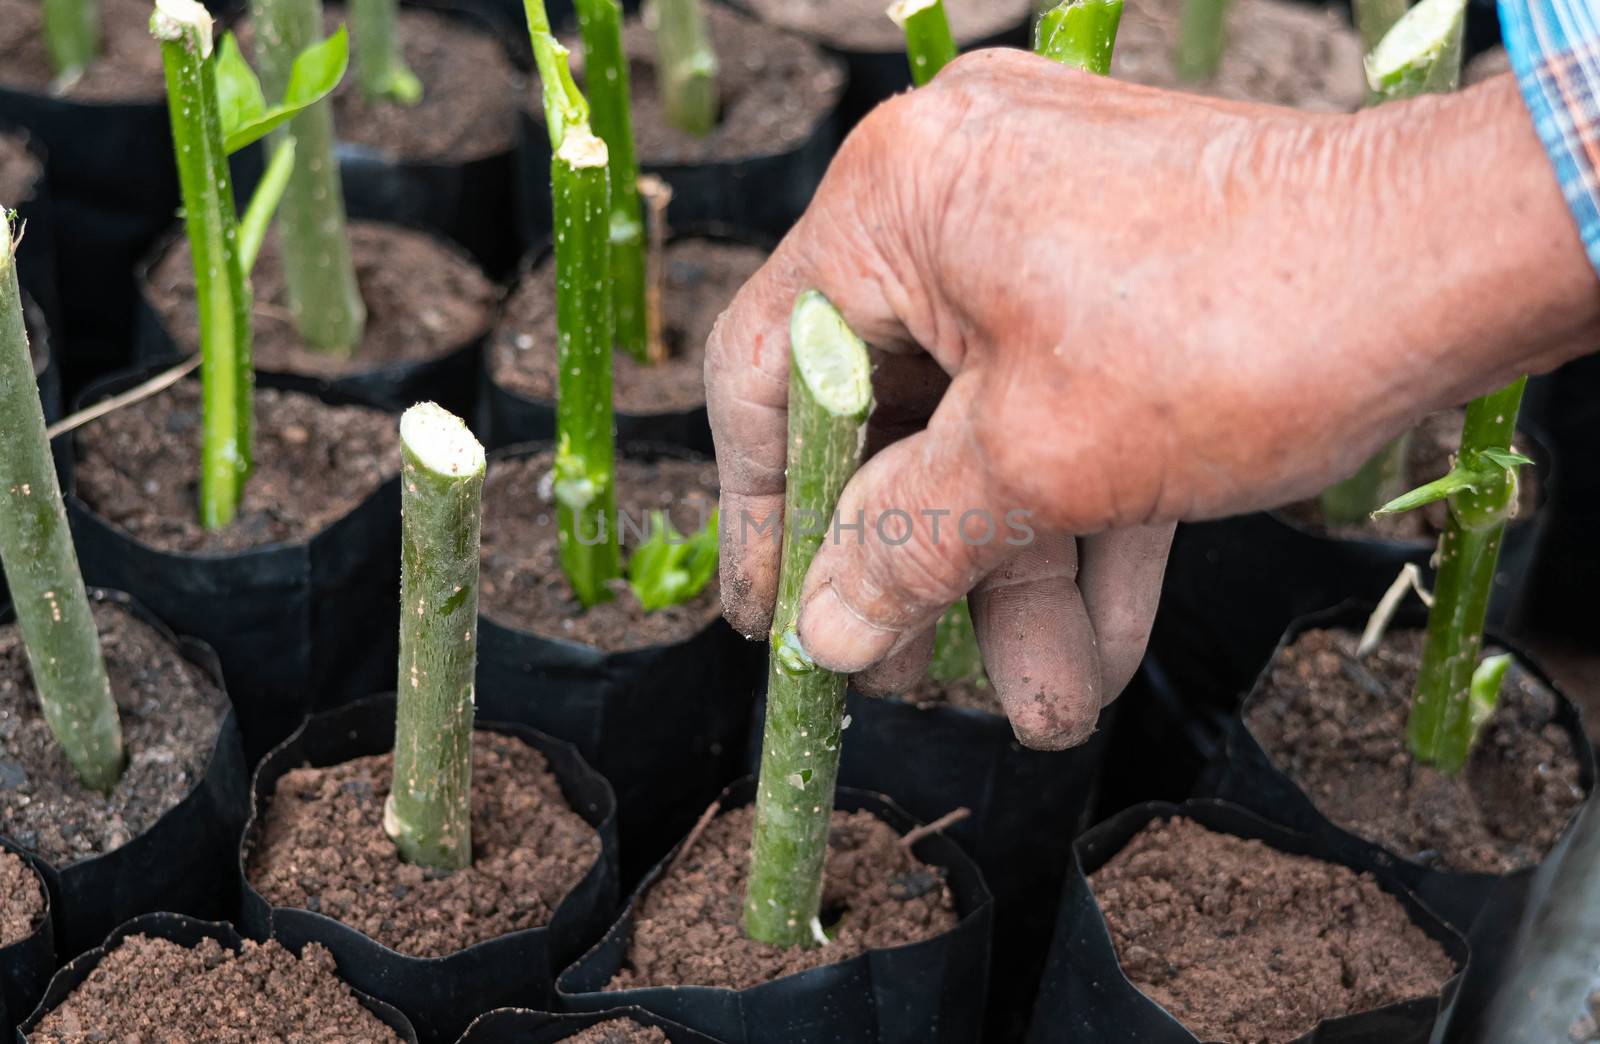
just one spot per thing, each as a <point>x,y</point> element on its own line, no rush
<point>1473,471</point>
<point>1484,692</point>
<point>245,114</point>
<point>268,194</point>
<point>670,569</point>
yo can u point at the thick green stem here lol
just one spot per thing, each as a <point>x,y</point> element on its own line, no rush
<point>606,75</point>
<point>1202,37</point>
<point>221,291</point>
<point>319,272</point>
<point>381,69</point>
<point>686,66</point>
<point>1080,33</point>
<point>1441,728</point>
<point>71,35</point>
<point>1374,19</point>
<point>830,396</point>
<point>1380,480</point>
<point>429,811</point>
<point>41,566</point>
<point>1421,54</point>
<point>930,45</point>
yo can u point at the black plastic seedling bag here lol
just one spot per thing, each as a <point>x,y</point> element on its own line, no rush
<point>47,367</point>
<point>440,994</point>
<point>930,992</point>
<point>188,932</point>
<point>1086,998</point>
<point>26,964</point>
<point>1247,776</point>
<point>296,626</point>
<point>520,1026</point>
<point>184,862</point>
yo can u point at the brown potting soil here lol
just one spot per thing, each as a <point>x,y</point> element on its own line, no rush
<point>21,899</point>
<point>424,300</point>
<point>1246,944</point>
<point>689,927</point>
<point>170,715</point>
<point>322,847</point>
<point>775,89</point>
<point>138,468</point>
<point>1428,456</point>
<point>619,1031</point>
<point>701,277</point>
<point>19,171</point>
<point>1337,727</point>
<point>862,25</point>
<point>522,584</point>
<point>1279,52</point>
<point>973,695</point>
<point>154,990</point>
<point>128,68</point>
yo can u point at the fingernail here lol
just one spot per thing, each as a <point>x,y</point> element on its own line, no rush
<point>837,637</point>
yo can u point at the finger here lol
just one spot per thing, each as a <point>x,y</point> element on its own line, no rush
<point>901,670</point>
<point>1039,646</point>
<point>1120,577</point>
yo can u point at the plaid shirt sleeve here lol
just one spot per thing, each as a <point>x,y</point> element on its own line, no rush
<point>1554,47</point>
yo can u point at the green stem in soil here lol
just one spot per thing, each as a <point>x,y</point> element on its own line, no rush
<point>41,565</point>
<point>222,293</point>
<point>381,69</point>
<point>686,65</point>
<point>1421,54</point>
<point>429,810</point>
<point>1202,37</point>
<point>258,214</point>
<point>930,45</point>
<point>71,35</point>
<point>319,271</point>
<point>830,396</point>
<point>1380,480</point>
<point>1080,33</point>
<point>1441,728</point>
<point>606,74</point>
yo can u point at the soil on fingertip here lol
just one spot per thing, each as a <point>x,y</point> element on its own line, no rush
<point>701,278</point>
<point>138,469</point>
<point>1279,52</point>
<point>21,899</point>
<point>170,710</point>
<point>127,69</point>
<point>424,300</point>
<point>688,928</point>
<point>521,584</point>
<point>150,989</point>
<point>1336,726</point>
<point>321,846</point>
<point>861,25</point>
<point>619,1031</point>
<point>20,171</point>
<point>1245,944</point>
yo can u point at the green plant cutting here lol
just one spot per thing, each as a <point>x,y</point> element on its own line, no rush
<point>686,65</point>
<point>71,35</point>
<point>217,107</point>
<point>40,562</point>
<point>381,70</point>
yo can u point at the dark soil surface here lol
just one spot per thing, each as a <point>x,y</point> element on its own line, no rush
<point>154,990</point>
<point>1243,943</point>
<point>862,25</point>
<point>702,276</point>
<point>619,1031</point>
<point>973,695</point>
<point>20,171</point>
<point>139,468</point>
<point>322,848</point>
<point>775,89</point>
<point>1577,671</point>
<point>1429,455</point>
<point>522,585</point>
<point>689,927</point>
<point>170,715</point>
<point>1336,726</point>
<point>1486,66</point>
<point>128,69</point>
<point>21,899</point>
<point>424,300</point>
<point>1279,52</point>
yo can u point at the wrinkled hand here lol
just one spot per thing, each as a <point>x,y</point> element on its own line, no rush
<point>1110,308</point>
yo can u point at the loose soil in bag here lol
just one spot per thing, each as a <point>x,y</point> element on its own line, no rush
<point>689,926</point>
<point>1433,443</point>
<point>522,584</point>
<point>1243,943</point>
<point>423,300</point>
<point>702,276</point>
<point>170,714</point>
<point>1278,52</point>
<point>323,848</point>
<point>972,695</point>
<point>21,899</point>
<point>127,69</point>
<point>139,468</point>
<point>861,25</point>
<point>620,1031</point>
<point>19,170</point>
<point>1336,726</point>
<point>152,989</point>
